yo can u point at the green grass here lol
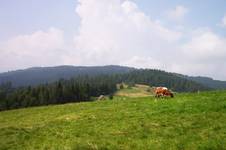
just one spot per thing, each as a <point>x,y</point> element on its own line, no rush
<point>189,121</point>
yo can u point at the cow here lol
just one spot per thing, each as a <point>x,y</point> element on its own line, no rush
<point>162,92</point>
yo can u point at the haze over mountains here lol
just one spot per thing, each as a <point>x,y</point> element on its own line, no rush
<point>41,75</point>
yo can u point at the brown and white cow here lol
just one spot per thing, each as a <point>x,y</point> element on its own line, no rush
<point>162,92</point>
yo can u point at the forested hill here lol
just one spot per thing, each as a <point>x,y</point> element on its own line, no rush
<point>206,81</point>
<point>161,78</point>
<point>216,84</point>
<point>84,88</point>
<point>42,75</point>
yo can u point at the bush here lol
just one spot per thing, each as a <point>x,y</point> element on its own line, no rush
<point>111,96</point>
<point>121,86</point>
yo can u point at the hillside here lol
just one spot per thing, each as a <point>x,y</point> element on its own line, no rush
<point>138,90</point>
<point>157,78</point>
<point>206,81</point>
<point>84,88</point>
<point>42,75</point>
<point>189,121</point>
<point>215,84</point>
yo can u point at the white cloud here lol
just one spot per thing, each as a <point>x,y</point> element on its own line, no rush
<point>203,54</point>
<point>178,13</point>
<point>224,21</point>
<point>204,45</point>
<point>36,49</point>
<point>115,31</point>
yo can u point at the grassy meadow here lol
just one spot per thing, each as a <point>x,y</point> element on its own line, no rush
<point>188,121</point>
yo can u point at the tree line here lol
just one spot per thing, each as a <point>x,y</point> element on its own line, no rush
<point>62,91</point>
<point>161,78</point>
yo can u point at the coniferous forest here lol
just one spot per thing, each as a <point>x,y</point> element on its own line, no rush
<point>62,91</point>
<point>85,87</point>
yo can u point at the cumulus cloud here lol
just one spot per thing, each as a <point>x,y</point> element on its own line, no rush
<point>115,31</point>
<point>36,49</point>
<point>205,45</point>
<point>203,54</point>
<point>178,13</point>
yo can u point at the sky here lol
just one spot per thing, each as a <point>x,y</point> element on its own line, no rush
<point>187,37</point>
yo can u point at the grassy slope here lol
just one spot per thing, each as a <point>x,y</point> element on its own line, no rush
<point>138,90</point>
<point>189,121</point>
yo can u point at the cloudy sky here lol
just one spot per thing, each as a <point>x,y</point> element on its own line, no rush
<point>181,36</point>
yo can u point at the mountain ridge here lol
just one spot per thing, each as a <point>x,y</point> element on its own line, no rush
<point>41,75</point>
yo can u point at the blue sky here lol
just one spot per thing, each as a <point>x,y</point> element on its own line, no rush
<point>191,34</point>
<point>25,16</point>
<point>201,13</point>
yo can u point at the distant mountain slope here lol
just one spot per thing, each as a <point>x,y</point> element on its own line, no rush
<point>41,75</point>
<point>206,81</point>
<point>216,84</point>
<point>155,78</point>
